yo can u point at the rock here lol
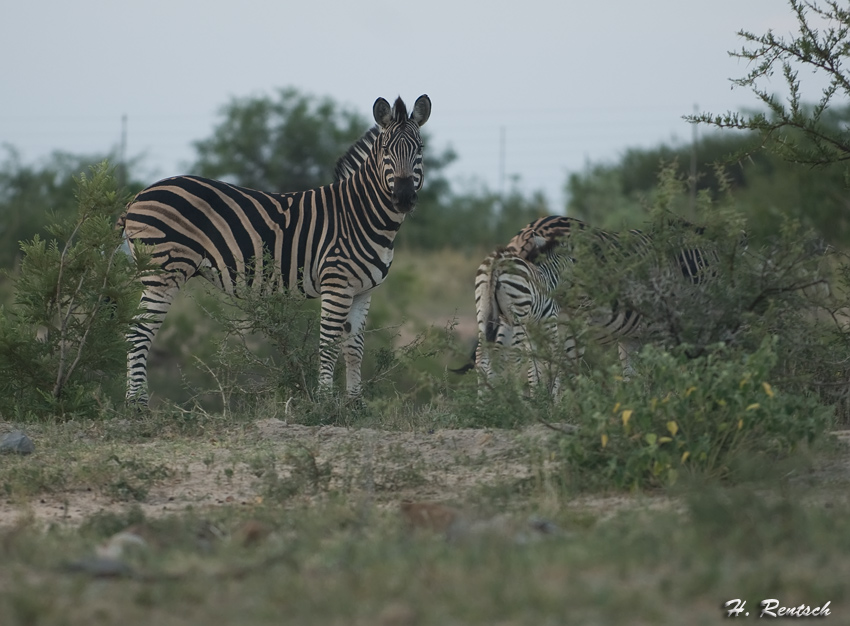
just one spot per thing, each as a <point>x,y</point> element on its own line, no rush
<point>100,567</point>
<point>16,443</point>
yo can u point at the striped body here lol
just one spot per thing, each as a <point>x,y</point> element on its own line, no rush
<point>514,289</point>
<point>333,243</point>
<point>513,295</point>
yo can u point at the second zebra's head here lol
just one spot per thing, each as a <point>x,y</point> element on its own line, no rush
<point>399,149</point>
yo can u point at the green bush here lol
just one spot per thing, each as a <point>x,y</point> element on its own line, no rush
<point>62,344</point>
<point>684,415</point>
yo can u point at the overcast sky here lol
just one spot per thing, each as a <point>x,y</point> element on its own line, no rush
<point>568,82</point>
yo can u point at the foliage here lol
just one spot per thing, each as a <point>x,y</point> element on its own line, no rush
<point>75,296</point>
<point>734,362</point>
<point>684,415</point>
<point>736,277</point>
<point>797,132</point>
<point>762,163</point>
<point>766,187</point>
<point>30,195</point>
<point>287,143</point>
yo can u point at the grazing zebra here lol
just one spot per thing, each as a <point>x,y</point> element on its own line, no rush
<point>333,243</point>
<point>515,286</point>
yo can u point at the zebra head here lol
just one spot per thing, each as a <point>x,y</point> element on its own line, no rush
<point>399,149</point>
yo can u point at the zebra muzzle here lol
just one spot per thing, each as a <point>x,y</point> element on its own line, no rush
<point>404,194</point>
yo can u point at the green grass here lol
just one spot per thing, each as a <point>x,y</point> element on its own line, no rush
<point>334,547</point>
<point>336,562</point>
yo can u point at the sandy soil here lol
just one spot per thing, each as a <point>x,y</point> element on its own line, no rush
<point>383,468</point>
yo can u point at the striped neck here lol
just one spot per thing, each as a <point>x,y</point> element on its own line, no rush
<point>366,191</point>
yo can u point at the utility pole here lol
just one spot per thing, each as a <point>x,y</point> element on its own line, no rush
<point>693,177</point>
<point>502,163</point>
<point>122,153</point>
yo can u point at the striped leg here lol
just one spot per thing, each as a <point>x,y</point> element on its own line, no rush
<point>483,357</point>
<point>156,300</point>
<point>352,347</point>
<point>625,348</point>
<point>535,370</point>
<point>342,323</point>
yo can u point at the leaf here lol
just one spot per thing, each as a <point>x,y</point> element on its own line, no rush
<point>685,455</point>
<point>627,414</point>
<point>604,440</point>
<point>651,438</point>
<point>673,427</point>
<point>616,406</point>
<point>672,476</point>
<point>767,389</point>
<point>753,406</point>
<point>664,439</point>
<point>690,390</point>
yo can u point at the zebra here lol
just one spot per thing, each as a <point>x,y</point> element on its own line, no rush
<point>334,242</point>
<point>515,286</point>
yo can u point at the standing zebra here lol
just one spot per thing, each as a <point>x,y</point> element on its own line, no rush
<point>333,243</point>
<point>515,286</point>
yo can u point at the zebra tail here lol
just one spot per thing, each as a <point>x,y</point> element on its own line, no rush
<point>122,219</point>
<point>469,365</point>
<point>489,304</point>
<point>120,224</point>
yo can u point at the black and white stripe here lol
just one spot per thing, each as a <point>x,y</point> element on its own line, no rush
<point>515,287</point>
<point>333,243</point>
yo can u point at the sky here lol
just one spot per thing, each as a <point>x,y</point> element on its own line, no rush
<point>524,92</point>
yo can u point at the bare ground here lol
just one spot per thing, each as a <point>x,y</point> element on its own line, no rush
<point>385,468</point>
<point>379,467</point>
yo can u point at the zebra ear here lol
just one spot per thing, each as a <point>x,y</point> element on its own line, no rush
<point>421,110</point>
<point>382,112</point>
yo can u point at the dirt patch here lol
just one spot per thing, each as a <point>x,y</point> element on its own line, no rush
<point>386,467</point>
<point>279,460</point>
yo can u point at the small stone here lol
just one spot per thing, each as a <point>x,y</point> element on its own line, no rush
<point>16,443</point>
<point>99,567</point>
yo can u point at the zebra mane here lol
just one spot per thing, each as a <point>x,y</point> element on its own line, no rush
<point>399,110</point>
<point>552,244</point>
<point>356,155</point>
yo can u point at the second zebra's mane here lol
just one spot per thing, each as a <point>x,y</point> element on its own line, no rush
<point>356,155</point>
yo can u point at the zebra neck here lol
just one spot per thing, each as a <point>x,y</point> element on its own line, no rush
<point>368,199</point>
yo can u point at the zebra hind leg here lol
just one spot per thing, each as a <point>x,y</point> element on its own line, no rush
<point>156,300</point>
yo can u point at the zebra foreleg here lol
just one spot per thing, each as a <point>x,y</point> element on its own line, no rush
<point>335,309</point>
<point>625,348</point>
<point>352,346</point>
<point>342,323</point>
